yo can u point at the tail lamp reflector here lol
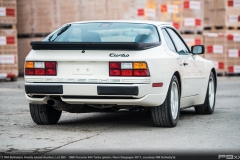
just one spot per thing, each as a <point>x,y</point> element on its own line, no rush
<point>41,68</point>
<point>29,65</point>
<point>157,84</point>
<point>129,69</point>
<point>39,71</point>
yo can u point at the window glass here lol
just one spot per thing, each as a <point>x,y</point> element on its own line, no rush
<point>106,32</point>
<point>181,47</point>
<point>168,40</point>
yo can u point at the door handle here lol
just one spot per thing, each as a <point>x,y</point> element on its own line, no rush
<point>185,64</point>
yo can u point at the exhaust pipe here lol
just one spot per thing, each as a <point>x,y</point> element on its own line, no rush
<point>74,108</point>
<point>58,105</point>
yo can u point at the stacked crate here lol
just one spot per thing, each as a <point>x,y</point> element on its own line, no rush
<point>222,35</point>
<point>36,19</point>
<point>8,12</point>
<point>223,47</point>
<point>187,16</point>
<point>228,13</point>
<point>8,40</point>
<point>24,48</point>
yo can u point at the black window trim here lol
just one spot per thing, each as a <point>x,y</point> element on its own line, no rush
<point>171,40</point>
<point>156,27</point>
<point>164,27</point>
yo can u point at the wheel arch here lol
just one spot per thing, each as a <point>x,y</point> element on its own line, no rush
<point>215,76</point>
<point>177,74</point>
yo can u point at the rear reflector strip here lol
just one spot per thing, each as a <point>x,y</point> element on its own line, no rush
<point>157,84</point>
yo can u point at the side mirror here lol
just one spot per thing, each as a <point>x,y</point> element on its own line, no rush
<point>199,49</point>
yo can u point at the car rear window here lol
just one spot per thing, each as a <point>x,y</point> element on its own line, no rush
<point>105,32</point>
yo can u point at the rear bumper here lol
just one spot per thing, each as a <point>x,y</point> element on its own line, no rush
<point>149,100</point>
<point>117,94</point>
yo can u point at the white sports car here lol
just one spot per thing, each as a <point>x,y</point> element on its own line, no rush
<point>101,66</point>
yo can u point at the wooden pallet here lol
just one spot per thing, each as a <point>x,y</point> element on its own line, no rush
<point>221,73</point>
<point>214,28</point>
<point>232,74</point>
<point>33,35</point>
<point>190,32</point>
<point>8,26</point>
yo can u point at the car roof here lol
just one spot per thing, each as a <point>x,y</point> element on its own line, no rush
<point>156,23</point>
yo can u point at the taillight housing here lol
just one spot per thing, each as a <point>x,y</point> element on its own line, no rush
<point>128,69</point>
<point>48,68</point>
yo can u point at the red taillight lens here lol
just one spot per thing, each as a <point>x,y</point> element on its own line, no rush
<point>128,69</point>
<point>115,72</point>
<point>29,71</point>
<point>50,64</point>
<point>157,84</point>
<point>127,72</point>
<point>114,65</point>
<point>40,68</point>
<point>51,72</point>
<point>141,72</point>
<point>39,71</point>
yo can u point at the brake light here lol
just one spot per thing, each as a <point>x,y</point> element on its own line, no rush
<point>116,65</point>
<point>127,72</point>
<point>41,68</point>
<point>51,72</point>
<point>115,72</point>
<point>29,71</point>
<point>141,72</point>
<point>128,69</point>
<point>39,71</point>
<point>50,64</point>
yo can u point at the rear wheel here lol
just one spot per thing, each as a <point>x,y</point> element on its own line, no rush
<point>209,104</point>
<point>167,114</point>
<point>44,114</point>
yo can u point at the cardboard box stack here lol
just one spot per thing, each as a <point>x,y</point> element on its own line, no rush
<point>36,19</point>
<point>24,47</point>
<point>223,47</point>
<point>8,40</point>
<point>187,16</point>
<point>8,12</point>
<point>222,35</point>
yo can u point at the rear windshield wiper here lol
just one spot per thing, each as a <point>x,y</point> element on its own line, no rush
<point>63,29</point>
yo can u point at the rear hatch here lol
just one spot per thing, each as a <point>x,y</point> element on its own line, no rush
<point>93,66</point>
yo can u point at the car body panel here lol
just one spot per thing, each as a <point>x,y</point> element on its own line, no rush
<point>81,73</point>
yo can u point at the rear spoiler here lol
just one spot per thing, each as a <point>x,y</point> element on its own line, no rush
<point>40,45</point>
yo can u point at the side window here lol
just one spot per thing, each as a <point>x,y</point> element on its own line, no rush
<point>181,47</point>
<point>168,40</point>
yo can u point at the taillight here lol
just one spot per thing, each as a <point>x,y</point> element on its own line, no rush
<point>128,69</point>
<point>41,68</point>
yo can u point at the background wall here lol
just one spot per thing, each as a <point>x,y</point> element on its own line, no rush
<point>213,23</point>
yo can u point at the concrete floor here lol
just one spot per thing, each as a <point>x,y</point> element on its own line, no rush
<point>99,133</point>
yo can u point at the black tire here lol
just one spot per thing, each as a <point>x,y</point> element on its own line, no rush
<point>162,115</point>
<point>44,114</point>
<point>206,107</point>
